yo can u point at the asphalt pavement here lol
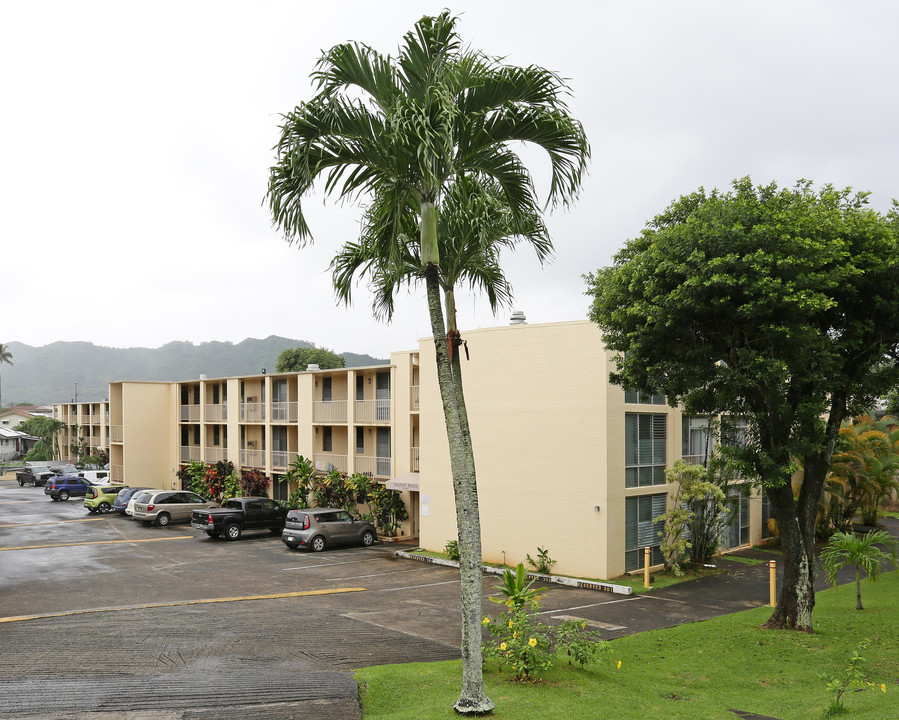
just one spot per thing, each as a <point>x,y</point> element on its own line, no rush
<point>104,618</point>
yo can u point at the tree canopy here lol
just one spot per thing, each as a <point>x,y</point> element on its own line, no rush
<point>780,306</point>
<point>299,358</point>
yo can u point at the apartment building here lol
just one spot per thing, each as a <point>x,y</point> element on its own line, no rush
<point>565,461</point>
<point>86,425</point>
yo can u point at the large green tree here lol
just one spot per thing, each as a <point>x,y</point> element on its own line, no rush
<point>299,358</point>
<point>780,306</point>
<point>402,132</point>
<point>5,357</point>
<point>47,429</point>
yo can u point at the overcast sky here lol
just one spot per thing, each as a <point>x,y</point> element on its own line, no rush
<point>136,138</point>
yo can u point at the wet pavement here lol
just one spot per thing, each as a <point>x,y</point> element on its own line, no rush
<point>130,621</point>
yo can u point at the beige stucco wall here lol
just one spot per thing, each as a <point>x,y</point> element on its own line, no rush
<point>548,444</point>
<point>151,436</point>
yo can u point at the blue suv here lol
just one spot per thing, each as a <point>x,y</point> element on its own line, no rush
<point>62,488</point>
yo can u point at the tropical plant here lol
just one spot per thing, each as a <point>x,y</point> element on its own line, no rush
<point>860,551</point>
<point>47,429</point>
<point>452,549</point>
<point>746,303</point>
<point>544,563</point>
<point>516,588</point>
<point>387,509</point>
<point>5,358</point>
<point>299,474</point>
<point>405,131</point>
<point>853,678</point>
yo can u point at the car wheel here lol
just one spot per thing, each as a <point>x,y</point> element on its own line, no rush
<point>232,532</point>
<point>318,543</point>
<point>103,508</point>
<point>63,494</point>
<point>163,519</point>
<point>213,533</point>
<point>92,510</point>
<point>368,537</point>
<point>21,483</point>
<point>275,531</point>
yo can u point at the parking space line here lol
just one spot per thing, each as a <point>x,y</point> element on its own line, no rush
<point>412,587</point>
<point>319,565</point>
<point>57,522</point>
<point>206,601</point>
<point>97,542</point>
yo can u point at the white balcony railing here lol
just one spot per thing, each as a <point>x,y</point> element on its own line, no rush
<point>252,412</point>
<point>252,458</point>
<point>373,411</point>
<point>190,453</point>
<point>284,412</point>
<point>324,462</point>
<point>414,398</point>
<point>378,467</point>
<point>329,412</point>
<point>216,454</point>
<point>190,413</point>
<point>281,459</point>
<point>216,413</point>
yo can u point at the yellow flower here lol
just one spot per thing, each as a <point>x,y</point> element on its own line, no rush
<point>510,624</point>
<point>503,646</point>
<point>515,634</point>
<point>619,664</point>
<point>532,642</point>
<point>486,621</point>
<point>883,687</point>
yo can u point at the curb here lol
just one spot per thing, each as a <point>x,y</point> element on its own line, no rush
<point>554,579</point>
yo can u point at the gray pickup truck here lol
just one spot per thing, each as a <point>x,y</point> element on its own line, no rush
<point>36,475</point>
<point>239,514</point>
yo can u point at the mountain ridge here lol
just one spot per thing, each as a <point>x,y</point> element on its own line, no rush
<point>55,372</point>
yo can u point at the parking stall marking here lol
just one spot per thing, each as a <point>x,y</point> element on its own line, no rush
<point>56,522</point>
<point>97,542</point>
<point>205,601</point>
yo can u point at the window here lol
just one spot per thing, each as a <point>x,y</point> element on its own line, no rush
<point>766,515</point>
<point>644,450</point>
<point>360,440</point>
<point>326,389</point>
<point>736,532</point>
<point>635,396</point>
<point>327,440</point>
<point>696,439</point>
<point>640,531</point>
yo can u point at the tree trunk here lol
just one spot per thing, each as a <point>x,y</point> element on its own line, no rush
<point>473,698</point>
<point>858,590</point>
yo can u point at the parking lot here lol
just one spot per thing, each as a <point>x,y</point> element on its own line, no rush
<point>103,614</point>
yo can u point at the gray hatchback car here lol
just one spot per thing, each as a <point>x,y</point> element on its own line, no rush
<point>317,528</point>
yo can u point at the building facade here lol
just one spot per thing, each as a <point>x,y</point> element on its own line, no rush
<point>565,461</point>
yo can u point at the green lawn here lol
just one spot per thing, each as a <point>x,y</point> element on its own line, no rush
<point>693,672</point>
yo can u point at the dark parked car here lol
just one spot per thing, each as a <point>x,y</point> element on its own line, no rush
<point>121,500</point>
<point>36,476</point>
<point>239,514</point>
<point>62,488</point>
<point>317,528</point>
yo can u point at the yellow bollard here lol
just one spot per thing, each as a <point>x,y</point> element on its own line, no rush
<point>772,582</point>
<point>646,553</point>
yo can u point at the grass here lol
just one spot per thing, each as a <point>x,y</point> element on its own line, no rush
<point>689,672</point>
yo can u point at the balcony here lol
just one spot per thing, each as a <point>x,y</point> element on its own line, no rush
<point>413,403</point>
<point>116,434</point>
<point>190,453</point>
<point>376,467</point>
<point>329,412</point>
<point>284,412</point>
<point>190,413</point>
<point>252,412</point>
<point>415,453</point>
<point>216,454</point>
<point>695,459</point>
<point>282,459</point>
<point>117,473</point>
<point>373,411</point>
<point>325,462</point>
<point>216,413</point>
<point>252,458</point>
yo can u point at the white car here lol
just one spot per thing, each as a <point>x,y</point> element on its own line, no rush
<point>96,477</point>
<point>129,508</point>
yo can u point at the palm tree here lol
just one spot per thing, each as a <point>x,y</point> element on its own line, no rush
<point>5,357</point>
<point>846,548</point>
<point>404,132</point>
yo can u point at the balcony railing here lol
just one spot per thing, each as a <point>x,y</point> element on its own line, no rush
<point>284,412</point>
<point>216,412</point>
<point>281,459</point>
<point>373,411</point>
<point>329,412</point>
<point>190,453</point>
<point>252,412</point>
<point>415,459</point>
<point>116,434</point>
<point>190,413</point>
<point>695,459</point>
<point>378,467</point>
<point>216,454</point>
<point>252,458</point>
<point>117,473</point>
<point>414,399</point>
<point>324,462</point>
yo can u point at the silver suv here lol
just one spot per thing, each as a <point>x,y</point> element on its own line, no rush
<point>317,528</point>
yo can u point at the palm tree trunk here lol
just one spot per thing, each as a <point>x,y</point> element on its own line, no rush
<point>473,698</point>
<point>858,590</point>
